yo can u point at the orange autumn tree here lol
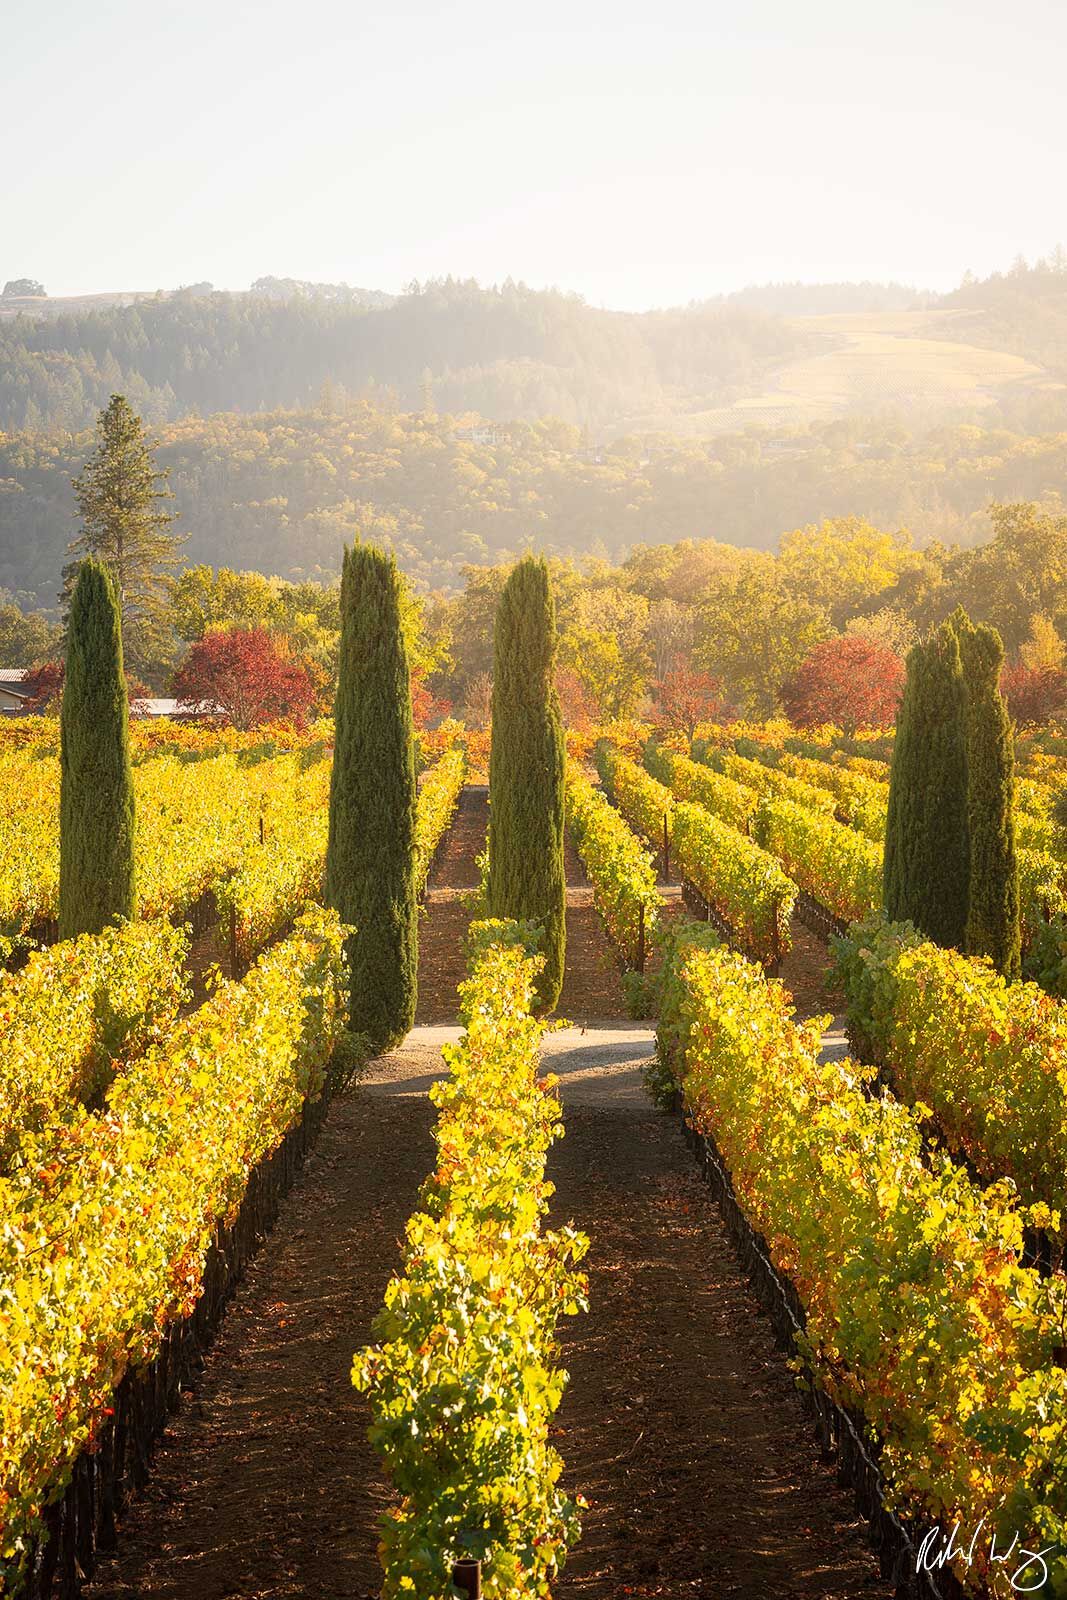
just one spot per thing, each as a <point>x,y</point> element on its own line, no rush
<point>686,697</point>
<point>248,676</point>
<point>851,681</point>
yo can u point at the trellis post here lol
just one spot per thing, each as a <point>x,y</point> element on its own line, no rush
<point>467,1577</point>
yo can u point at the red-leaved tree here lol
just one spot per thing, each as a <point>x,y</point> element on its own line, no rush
<point>243,673</point>
<point>1035,695</point>
<point>685,698</point>
<point>44,686</point>
<point>851,681</point>
<point>577,703</point>
<point>426,708</point>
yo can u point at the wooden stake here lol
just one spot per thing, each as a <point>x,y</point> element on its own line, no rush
<point>467,1576</point>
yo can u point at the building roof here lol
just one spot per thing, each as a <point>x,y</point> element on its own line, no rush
<point>154,706</point>
<point>11,679</point>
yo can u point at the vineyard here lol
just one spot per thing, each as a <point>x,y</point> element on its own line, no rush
<point>854,1334</point>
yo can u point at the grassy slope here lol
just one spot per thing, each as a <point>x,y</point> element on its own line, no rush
<point>918,361</point>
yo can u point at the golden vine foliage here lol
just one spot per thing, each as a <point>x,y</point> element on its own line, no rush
<point>106,1217</point>
<point>462,1378</point>
<point>78,1010</point>
<point>919,1314</point>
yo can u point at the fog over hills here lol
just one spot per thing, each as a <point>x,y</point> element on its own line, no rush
<point>777,355</point>
<point>458,424</point>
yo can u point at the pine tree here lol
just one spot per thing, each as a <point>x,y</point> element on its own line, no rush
<point>96,810</point>
<point>370,873</point>
<point>119,495</point>
<point>993,911</point>
<point>526,873</point>
<point>927,852</point>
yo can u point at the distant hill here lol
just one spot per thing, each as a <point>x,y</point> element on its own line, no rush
<point>1023,310</point>
<point>827,299</point>
<point>302,289</point>
<point>919,366</point>
<point>46,305</point>
<point>41,306</point>
<point>509,352</point>
<point>775,356</point>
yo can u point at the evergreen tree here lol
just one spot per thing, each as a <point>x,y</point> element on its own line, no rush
<point>526,873</point>
<point>927,852</point>
<point>993,911</point>
<point>96,812</point>
<point>119,496</point>
<point>370,868</point>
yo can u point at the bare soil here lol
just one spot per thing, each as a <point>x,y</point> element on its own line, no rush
<point>806,973</point>
<point>680,1423</point>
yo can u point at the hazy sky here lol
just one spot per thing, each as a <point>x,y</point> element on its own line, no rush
<point>640,154</point>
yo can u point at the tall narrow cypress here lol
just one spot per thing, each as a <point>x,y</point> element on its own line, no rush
<point>993,911</point>
<point>927,852</point>
<point>96,808</point>
<point>902,777</point>
<point>370,869</point>
<point>526,872</point>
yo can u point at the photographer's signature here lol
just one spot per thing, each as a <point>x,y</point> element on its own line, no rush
<point>1026,1570</point>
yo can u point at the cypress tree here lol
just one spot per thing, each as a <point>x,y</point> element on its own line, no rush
<point>526,873</point>
<point>96,810</point>
<point>902,777</point>
<point>370,866</point>
<point>927,852</point>
<point>993,912</point>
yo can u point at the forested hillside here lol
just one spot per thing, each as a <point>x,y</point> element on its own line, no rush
<point>1023,310</point>
<point>280,493</point>
<point>511,352</point>
<point>507,352</point>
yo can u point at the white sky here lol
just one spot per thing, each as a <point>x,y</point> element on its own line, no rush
<point>641,154</point>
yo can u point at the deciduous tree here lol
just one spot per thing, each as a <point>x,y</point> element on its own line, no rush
<point>425,706</point>
<point>1034,695</point>
<point>1044,650</point>
<point>840,563</point>
<point>26,637</point>
<point>44,686</point>
<point>478,702</point>
<point>754,632</point>
<point>685,697</point>
<point>606,645</point>
<point>577,705</point>
<point>851,681</point>
<point>245,674</point>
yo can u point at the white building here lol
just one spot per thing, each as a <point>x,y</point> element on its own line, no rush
<point>12,696</point>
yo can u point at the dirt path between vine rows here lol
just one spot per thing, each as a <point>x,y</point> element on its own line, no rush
<point>680,1423</point>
